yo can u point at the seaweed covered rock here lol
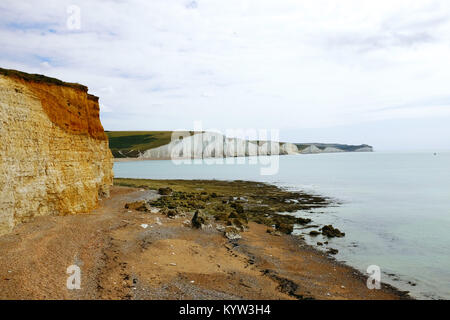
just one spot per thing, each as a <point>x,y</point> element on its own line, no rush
<point>173,212</point>
<point>285,227</point>
<point>138,205</point>
<point>165,191</point>
<point>238,207</point>
<point>331,232</point>
<point>273,232</point>
<point>232,233</point>
<point>332,251</point>
<point>221,216</point>
<point>302,221</point>
<point>198,220</point>
<point>238,215</point>
<point>234,203</point>
<point>238,223</point>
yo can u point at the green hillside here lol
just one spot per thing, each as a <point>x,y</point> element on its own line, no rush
<point>128,144</point>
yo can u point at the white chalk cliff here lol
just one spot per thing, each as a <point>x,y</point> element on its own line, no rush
<point>216,145</point>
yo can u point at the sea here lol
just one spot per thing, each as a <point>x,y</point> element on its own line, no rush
<point>394,207</point>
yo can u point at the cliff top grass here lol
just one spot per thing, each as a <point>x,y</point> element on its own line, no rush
<point>129,144</point>
<point>39,78</point>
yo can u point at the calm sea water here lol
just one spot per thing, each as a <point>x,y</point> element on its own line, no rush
<point>395,207</point>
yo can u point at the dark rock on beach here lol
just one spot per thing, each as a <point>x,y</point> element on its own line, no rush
<point>274,232</point>
<point>164,191</point>
<point>198,220</point>
<point>285,228</point>
<point>138,205</point>
<point>331,232</point>
<point>332,251</point>
<point>232,233</point>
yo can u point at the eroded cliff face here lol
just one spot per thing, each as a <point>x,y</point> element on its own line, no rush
<point>54,155</point>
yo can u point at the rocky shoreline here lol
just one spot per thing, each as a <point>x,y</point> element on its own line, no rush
<point>155,241</point>
<point>239,203</point>
<point>231,203</point>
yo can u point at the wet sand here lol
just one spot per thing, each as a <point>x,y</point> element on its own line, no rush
<point>119,259</point>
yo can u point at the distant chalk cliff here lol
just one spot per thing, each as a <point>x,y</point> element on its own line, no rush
<point>162,145</point>
<point>332,148</point>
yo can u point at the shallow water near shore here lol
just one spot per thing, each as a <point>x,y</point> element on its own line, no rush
<point>395,207</point>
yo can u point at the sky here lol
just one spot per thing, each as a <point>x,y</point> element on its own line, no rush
<point>345,71</point>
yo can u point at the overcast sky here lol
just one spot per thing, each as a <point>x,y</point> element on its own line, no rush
<point>349,71</point>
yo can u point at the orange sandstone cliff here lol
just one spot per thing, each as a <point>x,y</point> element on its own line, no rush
<point>54,154</point>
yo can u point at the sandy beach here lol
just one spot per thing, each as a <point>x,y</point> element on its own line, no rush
<point>128,254</point>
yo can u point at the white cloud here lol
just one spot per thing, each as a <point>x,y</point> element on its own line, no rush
<point>45,65</point>
<point>104,108</point>
<point>261,63</point>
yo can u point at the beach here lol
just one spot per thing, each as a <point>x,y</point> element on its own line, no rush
<point>392,206</point>
<point>130,254</point>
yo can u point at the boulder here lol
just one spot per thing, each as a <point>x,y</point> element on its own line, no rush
<point>165,191</point>
<point>332,251</point>
<point>138,205</point>
<point>303,221</point>
<point>198,220</point>
<point>238,207</point>
<point>331,232</point>
<point>285,227</point>
<point>273,232</point>
<point>240,224</point>
<point>172,214</point>
<point>187,223</point>
<point>232,233</point>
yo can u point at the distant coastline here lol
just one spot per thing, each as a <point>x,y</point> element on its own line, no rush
<point>158,145</point>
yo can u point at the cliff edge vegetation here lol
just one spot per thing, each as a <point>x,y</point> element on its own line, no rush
<point>129,144</point>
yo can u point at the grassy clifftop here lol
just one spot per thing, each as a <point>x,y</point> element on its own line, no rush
<point>39,78</point>
<point>128,144</point>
